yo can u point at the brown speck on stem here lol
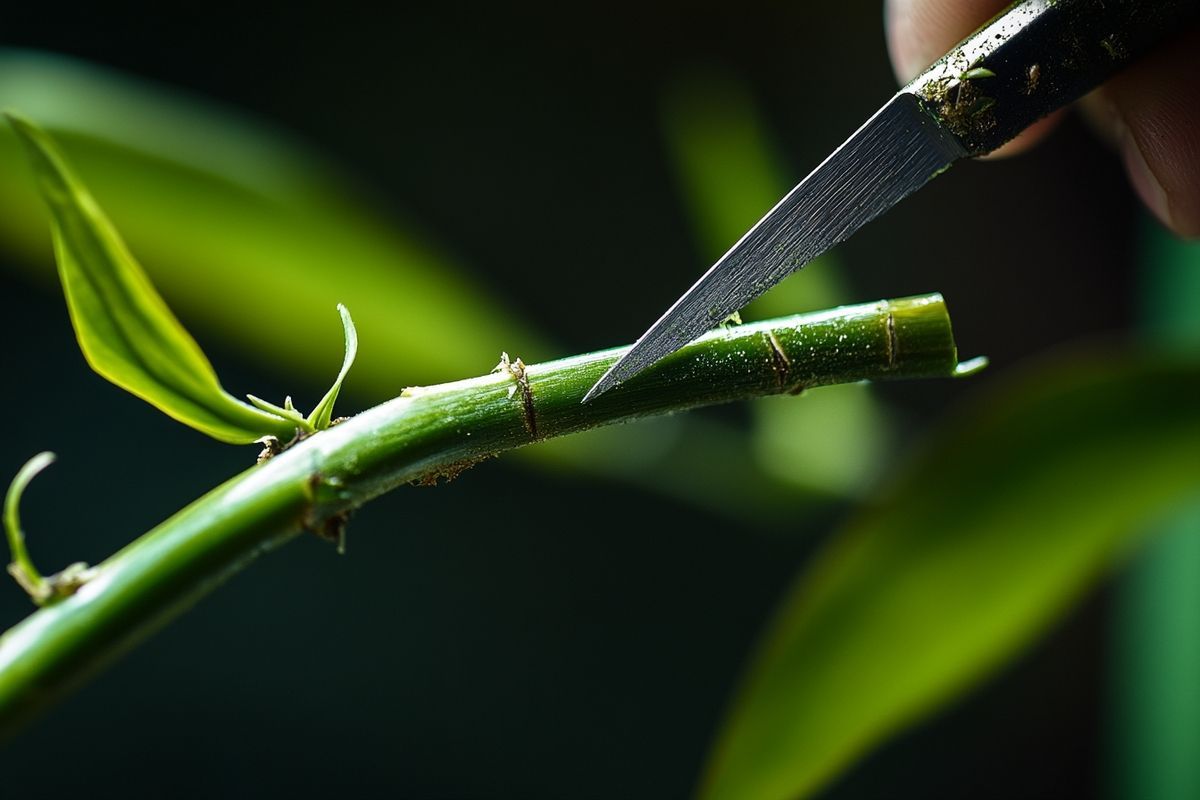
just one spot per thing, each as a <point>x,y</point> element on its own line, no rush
<point>780,363</point>
<point>516,368</point>
<point>450,471</point>
<point>271,448</point>
<point>893,344</point>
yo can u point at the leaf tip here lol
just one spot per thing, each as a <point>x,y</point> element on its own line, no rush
<point>322,415</point>
<point>43,153</point>
<point>25,128</point>
<point>16,118</point>
<point>350,331</point>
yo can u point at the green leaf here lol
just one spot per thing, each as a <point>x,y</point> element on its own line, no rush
<point>210,196</point>
<point>323,413</point>
<point>1154,643</point>
<point>730,173</point>
<point>982,543</point>
<point>125,329</point>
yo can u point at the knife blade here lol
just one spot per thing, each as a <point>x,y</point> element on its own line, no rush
<point>1033,58</point>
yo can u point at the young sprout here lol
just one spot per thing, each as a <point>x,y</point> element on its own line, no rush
<point>42,590</point>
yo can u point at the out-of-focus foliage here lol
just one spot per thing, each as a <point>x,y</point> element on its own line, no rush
<point>976,548</point>
<point>1154,727</point>
<point>126,331</point>
<point>730,174</point>
<point>247,229</point>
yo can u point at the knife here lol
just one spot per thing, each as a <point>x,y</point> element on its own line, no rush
<point>1033,58</point>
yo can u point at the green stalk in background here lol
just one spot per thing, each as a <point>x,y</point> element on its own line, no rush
<point>432,432</point>
<point>1155,681</point>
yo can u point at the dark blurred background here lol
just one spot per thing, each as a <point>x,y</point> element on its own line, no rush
<point>484,639</point>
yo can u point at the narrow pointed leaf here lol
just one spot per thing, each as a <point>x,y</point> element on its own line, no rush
<point>979,546</point>
<point>323,413</point>
<point>125,329</point>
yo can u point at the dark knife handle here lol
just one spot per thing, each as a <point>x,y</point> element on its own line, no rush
<point>1038,56</point>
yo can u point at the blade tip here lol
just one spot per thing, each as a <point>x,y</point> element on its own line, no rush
<point>607,381</point>
<point>598,388</point>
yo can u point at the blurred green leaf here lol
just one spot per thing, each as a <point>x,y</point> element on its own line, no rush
<point>323,413</point>
<point>215,200</point>
<point>834,442</point>
<point>730,174</point>
<point>980,544</point>
<point>126,331</point>
<point>1154,718</point>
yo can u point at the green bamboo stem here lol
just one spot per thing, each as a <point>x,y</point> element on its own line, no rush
<point>432,432</point>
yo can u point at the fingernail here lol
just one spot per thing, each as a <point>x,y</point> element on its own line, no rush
<point>1144,181</point>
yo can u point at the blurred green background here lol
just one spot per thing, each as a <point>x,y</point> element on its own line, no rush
<point>568,622</point>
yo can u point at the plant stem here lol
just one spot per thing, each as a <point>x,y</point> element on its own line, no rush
<point>433,432</point>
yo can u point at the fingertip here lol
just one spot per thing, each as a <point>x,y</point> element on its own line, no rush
<point>1155,179</point>
<point>899,35</point>
<point>920,32</point>
<point>1145,183</point>
<point>1158,132</point>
